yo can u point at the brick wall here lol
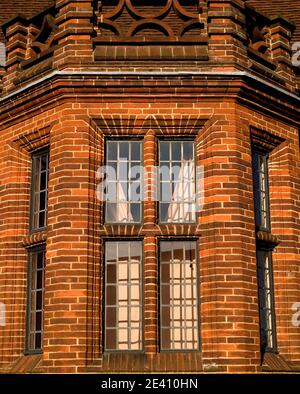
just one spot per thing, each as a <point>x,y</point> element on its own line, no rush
<point>228,292</point>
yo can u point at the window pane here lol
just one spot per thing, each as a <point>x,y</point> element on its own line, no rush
<point>42,218</point>
<point>44,162</point>
<point>43,180</point>
<point>38,321</point>
<point>35,305</point>
<point>177,182</point>
<point>127,182</point>
<point>178,296</point>
<point>38,341</point>
<point>188,150</point>
<point>40,190</point>
<point>135,212</point>
<point>124,150</point>
<point>176,151</point>
<point>135,151</point>
<point>123,298</point>
<point>164,149</point>
<point>112,151</point>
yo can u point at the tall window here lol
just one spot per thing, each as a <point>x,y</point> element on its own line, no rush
<point>264,249</point>
<point>178,296</point>
<point>40,169</point>
<point>266,300</point>
<point>35,306</point>
<point>177,181</point>
<point>123,296</point>
<point>123,192</point>
<point>261,190</point>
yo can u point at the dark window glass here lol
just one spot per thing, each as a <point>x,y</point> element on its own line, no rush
<point>40,170</point>
<point>266,300</point>
<point>123,296</point>
<point>35,306</point>
<point>261,189</point>
<point>178,296</point>
<point>123,182</point>
<point>177,202</point>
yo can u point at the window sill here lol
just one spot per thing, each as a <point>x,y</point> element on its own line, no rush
<point>34,239</point>
<point>267,238</point>
<point>273,362</point>
<point>26,363</point>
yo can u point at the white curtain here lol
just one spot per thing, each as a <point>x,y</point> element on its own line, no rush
<point>120,212</point>
<point>182,207</point>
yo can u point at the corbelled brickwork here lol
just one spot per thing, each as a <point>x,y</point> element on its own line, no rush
<point>71,94</point>
<point>28,8</point>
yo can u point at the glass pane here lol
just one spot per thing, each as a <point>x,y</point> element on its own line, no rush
<point>40,260</point>
<point>112,150</point>
<point>111,295</point>
<point>135,151</point>
<point>111,274</point>
<point>165,192</point>
<point>44,162</point>
<point>42,216</point>
<point>39,300</point>
<point>176,151</point>
<point>43,180</point>
<point>124,150</point>
<point>39,279</point>
<point>111,317</point>
<point>135,212</point>
<point>164,151</point>
<point>164,212</point>
<point>38,325</point>
<point>188,150</point>
<point>42,200</point>
<point>38,341</point>
<point>123,171</point>
<point>123,251</point>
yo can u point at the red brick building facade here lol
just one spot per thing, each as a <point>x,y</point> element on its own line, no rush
<point>84,79</point>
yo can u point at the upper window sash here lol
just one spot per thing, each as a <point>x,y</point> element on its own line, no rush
<point>261,189</point>
<point>177,191</point>
<point>123,187</point>
<point>39,190</point>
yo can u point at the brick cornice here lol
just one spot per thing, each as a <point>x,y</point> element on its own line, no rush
<point>59,86</point>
